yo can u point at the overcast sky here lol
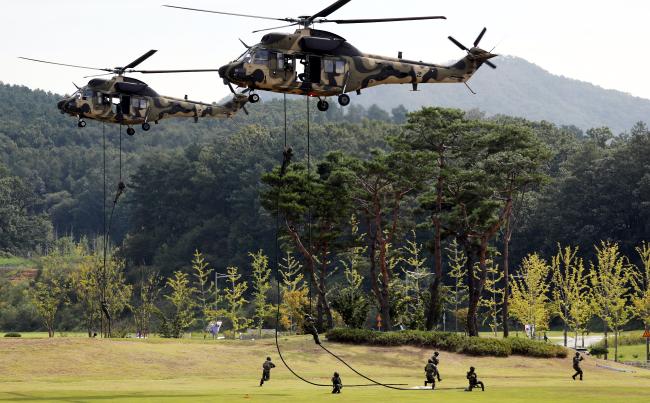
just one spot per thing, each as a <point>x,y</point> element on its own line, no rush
<point>602,42</point>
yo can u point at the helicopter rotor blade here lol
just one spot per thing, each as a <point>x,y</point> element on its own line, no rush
<point>138,60</point>
<point>460,45</point>
<point>489,63</point>
<point>371,20</point>
<point>268,29</point>
<point>235,14</point>
<point>328,10</point>
<point>99,75</point>
<point>171,71</point>
<point>479,37</point>
<point>67,65</point>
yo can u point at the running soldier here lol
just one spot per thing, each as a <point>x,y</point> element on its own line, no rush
<point>266,370</point>
<point>576,365</point>
<point>430,371</point>
<point>436,362</point>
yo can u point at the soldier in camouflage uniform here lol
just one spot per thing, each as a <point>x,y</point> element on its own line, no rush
<point>309,326</point>
<point>473,381</point>
<point>576,366</point>
<point>266,370</point>
<point>436,362</point>
<point>430,371</point>
<point>337,384</point>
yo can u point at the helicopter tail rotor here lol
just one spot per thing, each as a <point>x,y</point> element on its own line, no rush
<point>476,53</point>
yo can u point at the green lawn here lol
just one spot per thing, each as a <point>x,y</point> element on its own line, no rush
<point>15,262</point>
<point>75,369</point>
<point>627,353</point>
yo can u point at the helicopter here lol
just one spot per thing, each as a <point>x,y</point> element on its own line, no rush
<point>128,101</point>
<point>322,64</point>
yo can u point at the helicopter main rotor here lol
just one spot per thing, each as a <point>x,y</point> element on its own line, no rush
<point>317,18</point>
<point>129,68</point>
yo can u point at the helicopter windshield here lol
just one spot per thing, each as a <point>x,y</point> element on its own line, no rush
<point>246,57</point>
<point>261,56</point>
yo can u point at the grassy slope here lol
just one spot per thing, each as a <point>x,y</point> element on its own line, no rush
<point>76,369</point>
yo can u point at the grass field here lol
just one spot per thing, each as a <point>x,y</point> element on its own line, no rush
<point>157,370</point>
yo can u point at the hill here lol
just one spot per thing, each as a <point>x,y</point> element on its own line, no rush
<point>520,88</point>
<point>78,369</point>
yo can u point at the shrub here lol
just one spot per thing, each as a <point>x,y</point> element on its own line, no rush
<point>12,334</point>
<point>446,341</point>
<point>598,350</point>
<point>531,348</point>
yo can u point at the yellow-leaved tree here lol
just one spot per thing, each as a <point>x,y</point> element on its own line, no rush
<point>571,291</point>
<point>529,302</point>
<point>611,279</point>
<point>641,298</point>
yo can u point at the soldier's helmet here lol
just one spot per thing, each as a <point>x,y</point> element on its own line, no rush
<point>471,368</point>
<point>336,374</point>
<point>268,358</point>
<point>436,353</point>
<point>577,353</point>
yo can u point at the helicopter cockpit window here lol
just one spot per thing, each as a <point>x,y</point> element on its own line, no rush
<point>261,56</point>
<point>328,65</point>
<point>246,57</point>
<point>87,94</point>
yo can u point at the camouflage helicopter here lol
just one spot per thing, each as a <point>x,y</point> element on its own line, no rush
<point>331,66</point>
<point>128,101</point>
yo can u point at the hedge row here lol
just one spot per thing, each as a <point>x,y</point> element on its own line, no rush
<point>452,342</point>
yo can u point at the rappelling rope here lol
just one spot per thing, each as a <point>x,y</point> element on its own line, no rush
<point>277,265</point>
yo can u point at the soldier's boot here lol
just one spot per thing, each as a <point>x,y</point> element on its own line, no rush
<point>425,383</point>
<point>261,381</point>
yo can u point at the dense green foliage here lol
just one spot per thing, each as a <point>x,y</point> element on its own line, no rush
<point>213,186</point>
<point>451,342</point>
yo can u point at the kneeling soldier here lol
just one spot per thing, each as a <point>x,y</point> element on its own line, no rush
<point>337,384</point>
<point>473,381</point>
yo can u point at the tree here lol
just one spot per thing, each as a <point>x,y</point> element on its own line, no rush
<point>494,300</point>
<point>234,299</point>
<point>182,298</point>
<point>294,293</point>
<point>529,294</point>
<point>571,293</point>
<point>641,298</point>
<point>86,284</point>
<point>261,286</point>
<point>117,293</point>
<point>148,291</point>
<point>458,290</point>
<point>204,288</point>
<point>435,131</point>
<point>50,291</point>
<point>610,281</point>
<point>413,291</point>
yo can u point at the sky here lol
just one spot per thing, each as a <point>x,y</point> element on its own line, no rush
<point>598,41</point>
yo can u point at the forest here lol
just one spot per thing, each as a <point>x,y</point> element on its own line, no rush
<point>427,218</point>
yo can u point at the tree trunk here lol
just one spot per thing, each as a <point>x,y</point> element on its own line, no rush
<point>615,345</point>
<point>606,341</point>
<point>433,316</point>
<point>506,277</point>
<point>647,346</point>
<point>566,335</point>
<point>385,276</point>
<point>311,265</point>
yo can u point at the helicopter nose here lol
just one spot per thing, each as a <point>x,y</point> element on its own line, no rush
<point>60,104</point>
<point>222,71</point>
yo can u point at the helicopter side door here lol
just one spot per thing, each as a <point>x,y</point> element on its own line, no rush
<point>139,107</point>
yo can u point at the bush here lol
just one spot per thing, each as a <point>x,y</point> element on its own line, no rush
<point>12,334</point>
<point>446,341</point>
<point>598,350</point>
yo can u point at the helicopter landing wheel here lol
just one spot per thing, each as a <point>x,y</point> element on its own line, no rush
<point>253,98</point>
<point>130,131</point>
<point>145,126</point>
<point>323,105</point>
<point>81,123</point>
<point>344,100</point>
